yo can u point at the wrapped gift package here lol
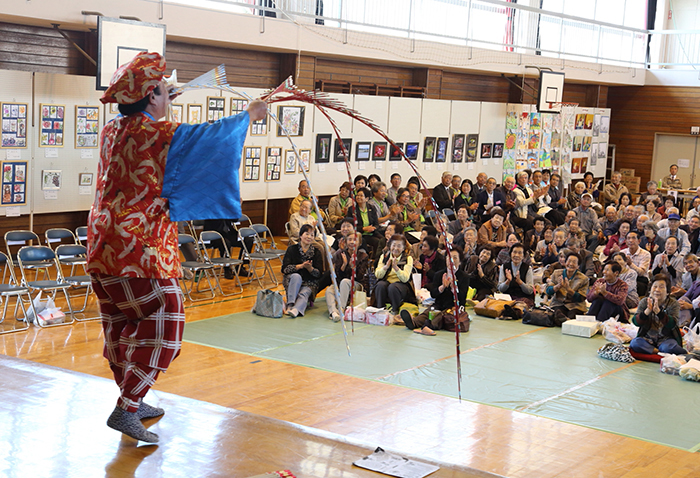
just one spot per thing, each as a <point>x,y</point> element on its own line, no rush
<point>355,314</point>
<point>580,328</point>
<point>374,316</point>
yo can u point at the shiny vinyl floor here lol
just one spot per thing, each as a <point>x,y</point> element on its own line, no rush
<point>430,426</point>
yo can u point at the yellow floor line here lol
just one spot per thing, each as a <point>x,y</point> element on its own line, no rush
<point>461,353</point>
<point>576,387</point>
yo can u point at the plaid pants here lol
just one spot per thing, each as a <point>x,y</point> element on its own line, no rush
<point>143,321</point>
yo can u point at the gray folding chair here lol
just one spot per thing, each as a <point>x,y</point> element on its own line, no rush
<point>9,288</point>
<point>75,255</point>
<point>30,255</point>
<point>59,235</point>
<point>81,234</point>
<point>253,257</point>
<point>21,238</point>
<point>206,238</point>
<point>200,271</point>
<point>261,229</point>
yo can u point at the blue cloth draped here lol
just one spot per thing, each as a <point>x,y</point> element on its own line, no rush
<point>202,169</point>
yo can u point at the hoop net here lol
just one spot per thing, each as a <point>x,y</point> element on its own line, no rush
<point>567,110</point>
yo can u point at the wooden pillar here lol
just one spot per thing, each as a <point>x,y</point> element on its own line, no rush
<point>430,79</point>
<point>302,68</point>
<point>597,96</point>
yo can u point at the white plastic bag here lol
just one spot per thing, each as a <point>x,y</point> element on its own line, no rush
<point>38,305</point>
<point>619,333</point>
<point>691,339</point>
<point>51,314</point>
<point>671,364</point>
<point>355,314</point>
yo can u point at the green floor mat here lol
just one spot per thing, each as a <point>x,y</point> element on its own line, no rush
<point>506,364</point>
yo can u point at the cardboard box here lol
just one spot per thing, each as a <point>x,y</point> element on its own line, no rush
<point>627,173</point>
<point>580,328</point>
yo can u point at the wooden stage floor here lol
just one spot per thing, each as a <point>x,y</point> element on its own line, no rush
<point>365,414</point>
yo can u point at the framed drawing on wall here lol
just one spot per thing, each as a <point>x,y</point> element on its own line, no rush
<point>323,148</point>
<point>273,164</point>
<point>363,151</point>
<point>14,183</point>
<point>14,125</point>
<point>486,150</point>
<point>429,149</point>
<point>50,179</point>
<point>292,118</point>
<point>194,114</point>
<point>176,113</point>
<point>238,105</point>
<point>290,162</point>
<point>457,148</point>
<point>114,108</point>
<point>52,126</point>
<point>87,127</point>
<point>497,150</point>
<point>216,108</point>
<point>85,179</point>
<point>259,128</point>
<point>251,163</point>
<point>472,145</point>
<point>304,159</point>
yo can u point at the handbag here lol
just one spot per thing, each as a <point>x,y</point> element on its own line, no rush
<point>449,322</point>
<point>492,307</point>
<point>269,303</point>
<point>543,317</point>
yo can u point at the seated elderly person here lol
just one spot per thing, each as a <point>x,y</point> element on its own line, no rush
<point>534,235</point>
<point>651,194</point>
<point>674,230</point>
<point>542,247</point>
<point>430,260</point>
<point>440,288</point>
<point>639,260</point>
<point>482,272</point>
<point>417,249</point>
<point>346,227</point>
<point>515,277</point>
<point>494,232</point>
<point>394,277</point>
<point>378,203</point>
<point>367,221</point>
<point>608,294</point>
<point>651,242</point>
<point>692,271</point>
<point>467,240</point>
<point>690,301</point>
<point>617,241</point>
<point>574,198</point>
<point>339,205</point>
<point>304,195</point>
<point>693,229</point>
<point>504,255</point>
<point>586,264</point>
<point>343,265</point>
<point>558,243</point>
<point>408,216</point>
<point>302,267</point>
<point>650,209</point>
<point>301,217</point>
<point>461,223</point>
<point>567,288</point>
<point>607,222</point>
<point>669,262</point>
<point>657,319</point>
<point>628,275</point>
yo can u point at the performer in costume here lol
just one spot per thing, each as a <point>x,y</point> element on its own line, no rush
<point>132,243</point>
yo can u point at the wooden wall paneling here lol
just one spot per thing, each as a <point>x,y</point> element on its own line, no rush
<point>363,73</point>
<point>306,72</point>
<point>243,67</point>
<point>638,113</point>
<point>468,87</point>
<point>32,48</point>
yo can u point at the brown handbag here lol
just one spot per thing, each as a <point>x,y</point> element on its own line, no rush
<point>449,321</point>
<point>492,307</point>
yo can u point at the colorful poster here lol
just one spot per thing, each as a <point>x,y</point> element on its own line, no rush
<point>215,108</point>
<point>511,120</point>
<point>14,182</point>
<point>87,126</point>
<point>51,126</point>
<point>273,164</point>
<point>511,139</point>
<point>14,125</point>
<point>251,164</point>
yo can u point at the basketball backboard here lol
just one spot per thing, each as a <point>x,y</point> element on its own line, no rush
<point>120,40</point>
<point>551,91</point>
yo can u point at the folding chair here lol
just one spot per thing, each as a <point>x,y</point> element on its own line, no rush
<point>261,229</point>
<point>22,238</point>
<point>206,238</point>
<point>254,257</point>
<point>57,235</point>
<point>76,254</point>
<point>448,212</point>
<point>242,220</point>
<point>29,255</point>
<point>198,268</point>
<point>81,234</point>
<point>9,289</point>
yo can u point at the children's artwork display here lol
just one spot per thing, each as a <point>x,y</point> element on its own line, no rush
<point>259,128</point>
<point>50,179</point>
<point>14,183</point>
<point>273,164</point>
<point>14,125</point>
<point>292,118</point>
<point>87,126</point>
<point>175,113</point>
<point>216,108</point>
<point>251,165</point>
<point>238,105</point>
<point>304,160</point>
<point>85,179</point>
<point>52,126</point>
<point>290,162</point>
<point>194,114</point>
